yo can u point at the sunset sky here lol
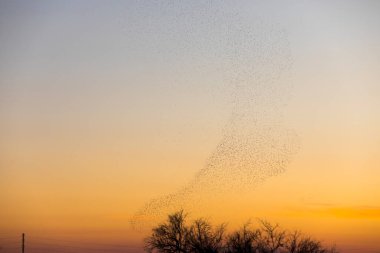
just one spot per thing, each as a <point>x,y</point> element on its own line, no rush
<point>106,105</point>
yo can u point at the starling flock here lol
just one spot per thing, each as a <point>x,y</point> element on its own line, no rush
<point>255,61</point>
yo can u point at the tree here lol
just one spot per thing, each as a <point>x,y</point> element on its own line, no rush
<point>243,240</point>
<point>175,236</point>
<point>202,238</point>
<point>297,243</point>
<point>169,237</point>
<point>271,237</point>
<point>293,241</point>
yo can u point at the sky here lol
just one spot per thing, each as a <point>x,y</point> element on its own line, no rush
<point>115,113</point>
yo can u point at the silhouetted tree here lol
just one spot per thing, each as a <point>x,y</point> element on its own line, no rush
<point>174,236</point>
<point>243,240</point>
<point>297,243</point>
<point>169,237</point>
<point>203,238</point>
<point>270,237</point>
<point>293,241</point>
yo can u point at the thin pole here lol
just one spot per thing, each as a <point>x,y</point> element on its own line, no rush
<point>23,243</point>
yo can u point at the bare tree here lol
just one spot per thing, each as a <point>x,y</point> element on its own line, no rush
<point>292,242</point>
<point>202,238</point>
<point>243,240</point>
<point>297,243</point>
<point>271,237</point>
<point>174,236</point>
<point>169,237</point>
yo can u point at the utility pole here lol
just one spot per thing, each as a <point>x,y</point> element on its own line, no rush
<point>23,243</point>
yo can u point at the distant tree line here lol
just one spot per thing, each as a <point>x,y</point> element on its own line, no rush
<point>177,236</point>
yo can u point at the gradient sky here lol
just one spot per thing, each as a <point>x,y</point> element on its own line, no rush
<point>105,105</point>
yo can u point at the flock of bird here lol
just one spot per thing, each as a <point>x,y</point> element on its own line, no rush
<point>255,60</point>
